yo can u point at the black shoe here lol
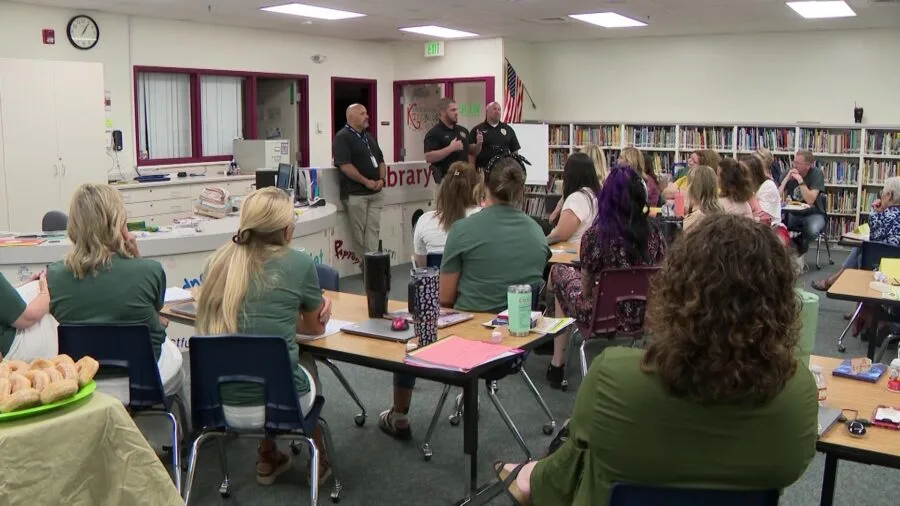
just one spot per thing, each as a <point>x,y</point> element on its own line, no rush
<point>555,376</point>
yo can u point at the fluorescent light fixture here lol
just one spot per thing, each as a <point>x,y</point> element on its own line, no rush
<point>311,11</point>
<point>608,20</point>
<point>818,10</point>
<point>438,32</point>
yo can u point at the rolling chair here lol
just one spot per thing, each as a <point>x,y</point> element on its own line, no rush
<point>642,495</point>
<point>254,359</point>
<point>515,366</point>
<point>329,279</point>
<point>128,347</point>
<point>871,254</point>
<point>54,221</point>
<point>613,286</point>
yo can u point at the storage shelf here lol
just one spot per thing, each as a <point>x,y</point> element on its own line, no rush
<point>835,155</point>
<point>655,148</point>
<point>882,157</point>
<point>835,213</point>
<point>841,185</point>
<point>559,146</point>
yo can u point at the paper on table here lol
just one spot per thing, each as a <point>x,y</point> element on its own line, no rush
<point>552,325</point>
<point>457,353</point>
<point>332,327</point>
<point>177,294</point>
<point>890,267</point>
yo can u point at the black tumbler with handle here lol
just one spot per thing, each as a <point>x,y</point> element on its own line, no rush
<point>377,269</point>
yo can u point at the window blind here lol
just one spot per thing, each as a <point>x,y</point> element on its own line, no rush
<point>221,109</point>
<point>164,115</point>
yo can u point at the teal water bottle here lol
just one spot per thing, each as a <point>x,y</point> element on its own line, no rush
<point>518,301</point>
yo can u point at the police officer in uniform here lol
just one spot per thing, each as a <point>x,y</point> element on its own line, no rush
<point>446,142</point>
<point>492,137</point>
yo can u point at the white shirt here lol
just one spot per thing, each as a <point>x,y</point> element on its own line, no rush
<point>584,204</point>
<point>429,237</point>
<point>770,200</point>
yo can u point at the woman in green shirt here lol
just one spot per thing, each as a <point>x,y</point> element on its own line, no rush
<point>27,331</point>
<point>717,400</point>
<point>257,285</point>
<point>485,254</point>
<point>103,280</point>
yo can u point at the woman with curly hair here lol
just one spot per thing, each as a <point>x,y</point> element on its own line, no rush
<point>621,236</point>
<point>735,188</point>
<point>718,400</point>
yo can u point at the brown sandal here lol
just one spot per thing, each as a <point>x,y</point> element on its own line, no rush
<point>508,482</point>
<point>270,464</point>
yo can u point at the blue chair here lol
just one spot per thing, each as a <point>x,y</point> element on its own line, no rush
<point>329,279</point>
<point>253,359</point>
<point>640,495</point>
<point>515,366</point>
<point>870,255</point>
<point>128,347</point>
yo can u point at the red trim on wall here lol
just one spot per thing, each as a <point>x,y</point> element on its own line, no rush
<point>448,83</point>
<point>251,130</point>
<point>373,100</point>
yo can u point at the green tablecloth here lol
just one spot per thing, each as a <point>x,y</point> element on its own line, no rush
<point>88,453</point>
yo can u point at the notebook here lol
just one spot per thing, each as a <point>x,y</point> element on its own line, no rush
<point>380,328</point>
<point>455,353</point>
<point>870,375</point>
<point>188,309</point>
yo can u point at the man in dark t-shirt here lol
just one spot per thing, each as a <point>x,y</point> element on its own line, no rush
<point>446,142</point>
<point>492,137</point>
<point>805,183</point>
<point>362,177</point>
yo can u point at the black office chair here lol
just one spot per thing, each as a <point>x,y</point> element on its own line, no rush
<point>624,494</point>
<point>329,279</point>
<point>54,221</point>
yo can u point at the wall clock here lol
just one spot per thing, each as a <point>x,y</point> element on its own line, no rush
<point>83,32</point>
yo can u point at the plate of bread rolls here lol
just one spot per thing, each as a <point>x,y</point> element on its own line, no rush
<point>44,384</point>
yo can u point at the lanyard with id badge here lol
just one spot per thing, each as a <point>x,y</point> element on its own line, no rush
<point>365,138</point>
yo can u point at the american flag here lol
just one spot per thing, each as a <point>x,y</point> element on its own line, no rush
<point>515,92</point>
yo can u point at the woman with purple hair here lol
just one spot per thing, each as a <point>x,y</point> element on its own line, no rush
<point>621,236</point>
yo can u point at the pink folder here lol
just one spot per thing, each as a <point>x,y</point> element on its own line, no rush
<point>459,354</point>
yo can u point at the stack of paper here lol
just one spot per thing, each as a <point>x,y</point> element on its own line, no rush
<point>332,327</point>
<point>455,353</point>
<point>177,294</point>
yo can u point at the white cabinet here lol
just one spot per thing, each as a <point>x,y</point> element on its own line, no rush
<point>52,133</point>
<point>160,204</point>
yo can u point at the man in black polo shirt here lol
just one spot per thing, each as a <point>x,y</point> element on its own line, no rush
<point>492,137</point>
<point>446,142</point>
<point>362,173</point>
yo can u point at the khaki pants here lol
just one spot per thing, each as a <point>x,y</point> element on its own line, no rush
<point>364,214</point>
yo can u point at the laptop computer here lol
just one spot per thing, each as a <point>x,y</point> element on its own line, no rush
<point>380,329</point>
<point>827,418</point>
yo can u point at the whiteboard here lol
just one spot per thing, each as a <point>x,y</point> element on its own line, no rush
<point>535,142</point>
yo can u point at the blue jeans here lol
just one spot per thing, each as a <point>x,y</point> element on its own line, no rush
<point>809,226</point>
<point>854,259</point>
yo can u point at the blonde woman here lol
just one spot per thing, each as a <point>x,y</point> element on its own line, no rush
<point>598,156</point>
<point>103,280</point>
<point>633,158</point>
<point>703,195</point>
<point>456,200</point>
<point>257,285</point>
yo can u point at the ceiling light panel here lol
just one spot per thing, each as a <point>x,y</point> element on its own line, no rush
<point>608,20</point>
<point>820,10</point>
<point>311,11</point>
<point>438,32</point>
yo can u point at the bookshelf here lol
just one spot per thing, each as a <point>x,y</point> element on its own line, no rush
<point>856,159</point>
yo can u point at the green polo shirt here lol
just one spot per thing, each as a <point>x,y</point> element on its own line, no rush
<point>493,249</point>
<point>11,308</point>
<point>627,428</point>
<point>272,307</point>
<point>130,291</point>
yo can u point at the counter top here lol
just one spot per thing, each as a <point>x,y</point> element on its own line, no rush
<point>175,181</point>
<point>212,234</point>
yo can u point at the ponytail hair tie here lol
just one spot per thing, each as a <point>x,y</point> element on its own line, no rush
<point>242,237</point>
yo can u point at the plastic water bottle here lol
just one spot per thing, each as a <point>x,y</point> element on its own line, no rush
<point>518,301</point>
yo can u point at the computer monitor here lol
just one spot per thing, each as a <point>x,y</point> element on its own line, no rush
<point>285,176</point>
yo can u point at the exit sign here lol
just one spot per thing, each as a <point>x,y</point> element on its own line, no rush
<point>434,48</point>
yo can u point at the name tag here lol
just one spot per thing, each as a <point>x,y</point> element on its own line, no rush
<point>374,163</point>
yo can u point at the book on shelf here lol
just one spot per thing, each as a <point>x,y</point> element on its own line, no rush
<point>559,135</point>
<point>883,142</point>
<point>867,197</point>
<point>839,171</point>
<point>650,136</point>
<point>715,138</point>
<point>838,226</point>
<point>876,171</point>
<point>771,138</point>
<point>558,158</point>
<point>840,201</point>
<point>601,135</point>
<point>830,141</point>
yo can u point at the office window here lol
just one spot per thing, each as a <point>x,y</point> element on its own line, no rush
<point>164,116</point>
<point>221,113</point>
